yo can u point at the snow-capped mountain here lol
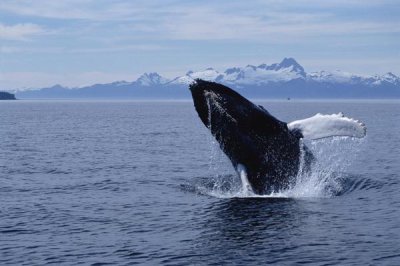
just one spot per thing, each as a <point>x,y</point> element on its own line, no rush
<point>388,78</point>
<point>151,79</point>
<point>336,76</point>
<point>285,79</point>
<point>190,76</point>
<point>287,70</point>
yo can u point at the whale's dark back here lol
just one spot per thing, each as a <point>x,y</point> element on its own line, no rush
<point>249,135</point>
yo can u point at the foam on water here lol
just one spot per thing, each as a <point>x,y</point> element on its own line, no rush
<point>333,157</point>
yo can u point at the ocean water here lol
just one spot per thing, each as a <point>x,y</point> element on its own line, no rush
<point>124,183</point>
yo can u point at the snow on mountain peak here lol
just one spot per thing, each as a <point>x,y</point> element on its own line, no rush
<point>209,74</point>
<point>288,69</point>
<point>290,63</point>
<point>151,79</point>
<point>390,77</point>
<point>336,76</point>
<point>386,78</point>
<point>287,62</point>
<point>287,65</point>
<point>390,74</point>
<point>232,70</point>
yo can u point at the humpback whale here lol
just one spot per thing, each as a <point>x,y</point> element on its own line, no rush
<point>266,152</point>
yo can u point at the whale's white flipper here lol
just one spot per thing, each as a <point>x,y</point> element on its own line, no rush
<point>323,126</point>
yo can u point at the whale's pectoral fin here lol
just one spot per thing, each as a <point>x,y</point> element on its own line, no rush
<point>323,126</point>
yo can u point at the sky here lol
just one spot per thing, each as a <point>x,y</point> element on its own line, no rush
<point>81,42</point>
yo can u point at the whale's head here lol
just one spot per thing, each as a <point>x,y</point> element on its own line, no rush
<point>217,104</point>
<point>221,108</point>
<point>247,133</point>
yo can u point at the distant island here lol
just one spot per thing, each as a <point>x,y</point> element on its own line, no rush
<point>284,80</point>
<point>6,96</point>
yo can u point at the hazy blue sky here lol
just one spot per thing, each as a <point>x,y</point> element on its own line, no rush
<point>80,42</point>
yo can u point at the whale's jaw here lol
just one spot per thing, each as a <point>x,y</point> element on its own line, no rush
<point>248,135</point>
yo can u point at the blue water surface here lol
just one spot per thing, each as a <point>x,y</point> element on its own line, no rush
<point>125,182</point>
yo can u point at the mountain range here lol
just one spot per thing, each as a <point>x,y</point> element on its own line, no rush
<point>286,79</point>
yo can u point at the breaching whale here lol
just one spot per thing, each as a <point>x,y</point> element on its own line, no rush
<point>266,152</point>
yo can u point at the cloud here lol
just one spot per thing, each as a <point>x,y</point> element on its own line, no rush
<point>120,48</point>
<point>19,32</point>
<point>95,10</point>
<point>221,20</point>
<point>80,50</point>
<point>46,8</point>
<point>210,24</point>
<point>132,10</point>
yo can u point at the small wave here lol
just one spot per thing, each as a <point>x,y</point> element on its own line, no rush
<point>16,231</point>
<point>353,183</point>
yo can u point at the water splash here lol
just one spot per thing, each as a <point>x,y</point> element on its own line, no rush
<point>325,179</point>
<point>334,157</point>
